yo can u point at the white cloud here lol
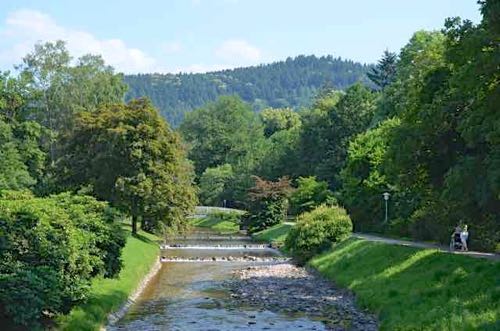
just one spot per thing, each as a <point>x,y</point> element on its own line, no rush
<point>237,51</point>
<point>23,28</point>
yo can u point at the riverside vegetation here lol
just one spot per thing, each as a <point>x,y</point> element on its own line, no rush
<point>426,134</point>
<point>407,288</point>
<point>77,163</point>
<point>423,135</point>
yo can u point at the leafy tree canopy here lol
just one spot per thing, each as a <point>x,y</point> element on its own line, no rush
<point>276,120</point>
<point>130,157</point>
<point>226,131</point>
<point>214,184</point>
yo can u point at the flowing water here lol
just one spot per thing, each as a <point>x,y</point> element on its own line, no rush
<point>192,296</point>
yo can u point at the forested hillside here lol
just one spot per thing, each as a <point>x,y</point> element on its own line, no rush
<point>289,83</point>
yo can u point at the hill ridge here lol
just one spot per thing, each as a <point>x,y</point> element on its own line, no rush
<point>292,82</point>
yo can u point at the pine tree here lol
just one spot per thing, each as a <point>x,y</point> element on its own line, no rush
<point>383,74</point>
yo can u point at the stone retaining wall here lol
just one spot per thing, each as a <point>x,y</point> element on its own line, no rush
<point>117,315</point>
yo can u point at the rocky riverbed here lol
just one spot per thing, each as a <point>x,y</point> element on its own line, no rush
<point>295,290</point>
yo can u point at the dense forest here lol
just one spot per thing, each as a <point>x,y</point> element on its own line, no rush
<point>289,83</point>
<point>428,136</point>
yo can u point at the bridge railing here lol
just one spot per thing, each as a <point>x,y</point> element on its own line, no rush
<point>201,211</point>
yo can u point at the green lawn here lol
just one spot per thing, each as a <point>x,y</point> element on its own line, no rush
<point>275,234</point>
<point>223,225</point>
<point>107,295</point>
<point>416,289</point>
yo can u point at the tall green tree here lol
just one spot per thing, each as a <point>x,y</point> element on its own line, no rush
<point>385,70</point>
<point>46,68</point>
<point>214,185</point>
<point>447,141</point>
<point>364,180</point>
<point>280,155</point>
<point>130,157</point>
<point>421,55</point>
<point>21,158</point>
<point>315,125</point>
<point>331,127</point>
<point>223,132</point>
<point>58,90</point>
<point>309,194</point>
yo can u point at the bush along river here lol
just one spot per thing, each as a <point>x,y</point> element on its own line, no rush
<point>221,283</point>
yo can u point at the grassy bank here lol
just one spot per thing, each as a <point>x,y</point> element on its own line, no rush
<point>275,234</point>
<point>416,289</point>
<point>223,223</point>
<point>107,295</point>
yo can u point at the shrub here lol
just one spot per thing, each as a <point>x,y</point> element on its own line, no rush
<point>317,230</point>
<point>50,248</point>
<point>99,219</point>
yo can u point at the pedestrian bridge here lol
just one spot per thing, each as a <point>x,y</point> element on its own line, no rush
<point>203,211</point>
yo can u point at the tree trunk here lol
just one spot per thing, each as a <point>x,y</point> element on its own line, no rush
<point>134,225</point>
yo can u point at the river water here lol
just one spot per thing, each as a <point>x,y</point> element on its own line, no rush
<point>191,295</point>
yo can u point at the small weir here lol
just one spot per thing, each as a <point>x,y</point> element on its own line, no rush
<point>190,290</point>
<point>223,247</point>
<point>209,238</point>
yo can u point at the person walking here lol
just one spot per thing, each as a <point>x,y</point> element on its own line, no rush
<point>464,236</point>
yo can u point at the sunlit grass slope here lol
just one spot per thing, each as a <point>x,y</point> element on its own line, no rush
<point>417,289</point>
<point>275,234</point>
<point>107,295</point>
<point>223,225</point>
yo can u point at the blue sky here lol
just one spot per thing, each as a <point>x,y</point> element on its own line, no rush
<point>204,35</point>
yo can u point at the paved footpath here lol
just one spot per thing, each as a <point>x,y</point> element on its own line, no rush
<point>370,237</point>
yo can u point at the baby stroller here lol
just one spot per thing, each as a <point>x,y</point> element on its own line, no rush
<point>456,242</point>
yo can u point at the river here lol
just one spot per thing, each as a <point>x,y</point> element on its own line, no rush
<point>188,294</point>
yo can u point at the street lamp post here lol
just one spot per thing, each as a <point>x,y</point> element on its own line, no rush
<point>386,196</point>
